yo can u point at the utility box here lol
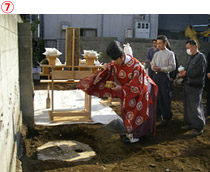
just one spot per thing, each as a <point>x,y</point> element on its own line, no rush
<point>142,29</point>
<point>128,32</point>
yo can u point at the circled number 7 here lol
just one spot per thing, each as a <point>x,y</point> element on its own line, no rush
<point>8,4</point>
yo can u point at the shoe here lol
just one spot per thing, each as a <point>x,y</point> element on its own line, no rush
<point>122,135</point>
<point>196,133</point>
<point>126,140</point>
<point>159,118</point>
<point>186,127</point>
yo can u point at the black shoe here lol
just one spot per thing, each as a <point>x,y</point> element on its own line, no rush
<point>186,127</point>
<point>196,133</point>
<point>128,141</point>
<point>122,135</point>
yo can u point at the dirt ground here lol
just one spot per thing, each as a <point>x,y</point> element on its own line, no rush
<point>170,150</point>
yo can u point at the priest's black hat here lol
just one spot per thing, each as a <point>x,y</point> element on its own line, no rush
<point>114,50</point>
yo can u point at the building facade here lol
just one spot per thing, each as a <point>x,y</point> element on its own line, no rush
<point>120,27</point>
<point>101,25</point>
<point>96,26</point>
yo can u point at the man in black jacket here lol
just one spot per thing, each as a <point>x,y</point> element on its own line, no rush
<point>194,75</point>
<point>207,113</point>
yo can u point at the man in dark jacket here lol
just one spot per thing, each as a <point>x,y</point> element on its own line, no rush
<point>207,113</point>
<point>194,75</point>
<point>150,55</point>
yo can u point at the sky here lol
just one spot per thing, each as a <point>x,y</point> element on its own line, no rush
<point>109,6</point>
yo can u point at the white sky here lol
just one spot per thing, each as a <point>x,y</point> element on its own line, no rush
<point>110,6</point>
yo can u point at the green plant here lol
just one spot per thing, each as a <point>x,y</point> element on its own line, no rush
<point>34,25</point>
<point>44,61</point>
<point>38,49</point>
<point>102,58</point>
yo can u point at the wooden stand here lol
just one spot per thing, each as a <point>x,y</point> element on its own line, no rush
<point>51,59</point>
<point>70,75</point>
<point>90,60</point>
<point>83,115</point>
<point>46,70</point>
<point>67,77</point>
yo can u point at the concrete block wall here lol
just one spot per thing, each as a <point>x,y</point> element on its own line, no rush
<point>10,114</point>
<point>98,44</point>
<point>25,73</point>
<point>140,47</point>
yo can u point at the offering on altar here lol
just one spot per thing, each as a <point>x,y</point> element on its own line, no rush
<point>52,55</point>
<point>90,56</point>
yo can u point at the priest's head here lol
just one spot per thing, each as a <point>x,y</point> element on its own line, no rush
<point>115,52</point>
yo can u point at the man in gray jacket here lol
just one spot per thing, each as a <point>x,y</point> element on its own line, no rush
<point>194,75</point>
<point>162,64</point>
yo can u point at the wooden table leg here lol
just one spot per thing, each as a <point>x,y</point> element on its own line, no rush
<point>48,94</point>
<point>88,103</point>
<point>52,102</point>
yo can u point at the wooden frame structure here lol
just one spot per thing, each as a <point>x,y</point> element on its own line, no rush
<point>68,77</point>
<point>70,73</point>
<point>83,115</point>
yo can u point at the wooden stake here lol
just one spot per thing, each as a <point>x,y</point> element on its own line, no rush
<point>72,46</point>
<point>73,42</point>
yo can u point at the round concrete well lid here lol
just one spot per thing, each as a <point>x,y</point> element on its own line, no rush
<point>71,151</point>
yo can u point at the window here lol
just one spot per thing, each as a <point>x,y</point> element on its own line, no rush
<point>88,32</point>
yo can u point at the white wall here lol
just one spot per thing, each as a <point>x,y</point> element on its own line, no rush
<point>10,115</point>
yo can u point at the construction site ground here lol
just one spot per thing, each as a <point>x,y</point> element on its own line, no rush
<point>172,149</point>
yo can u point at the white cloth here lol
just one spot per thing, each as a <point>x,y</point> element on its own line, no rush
<point>70,100</point>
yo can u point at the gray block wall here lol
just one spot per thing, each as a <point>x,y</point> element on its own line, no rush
<point>10,114</point>
<point>139,46</point>
<point>25,73</point>
<point>98,44</point>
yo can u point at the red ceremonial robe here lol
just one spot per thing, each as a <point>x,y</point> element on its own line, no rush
<point>137,94</point>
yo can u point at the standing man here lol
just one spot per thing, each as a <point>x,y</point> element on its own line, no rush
<point>162,64</point>
<point>132,85</point>
<point>150,55</point>
<point>194,75</point>
<point>207,113</point>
